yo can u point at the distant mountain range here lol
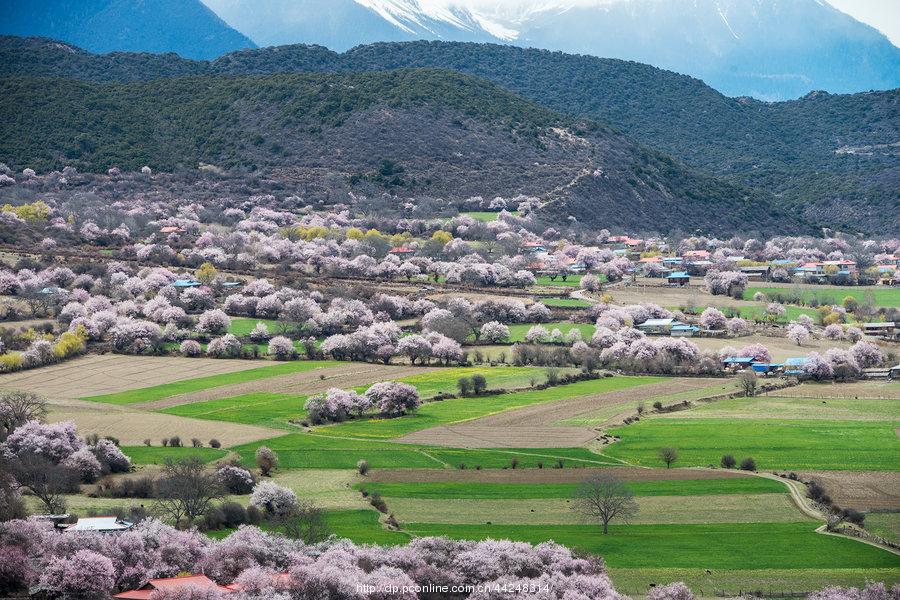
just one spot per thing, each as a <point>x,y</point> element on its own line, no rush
<point>768,49</point>
<point>832,159</point>
<point>186,27</point>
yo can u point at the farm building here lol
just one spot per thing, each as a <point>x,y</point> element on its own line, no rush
<point>533,248</point>
<point>757,272</point>
<point>682,330</point>
<point>738,363</point>
<point>895,372</point>
<point>658,326</point>
<point>767,368</point>
<point>402,251</point>
<point>185,283</point>
<point>100,525</point>
<point>886,329</point>
<point>678,278</point>
<point>794,365</point>
<point>173,584</point>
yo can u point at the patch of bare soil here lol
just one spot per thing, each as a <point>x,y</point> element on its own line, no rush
<point>533,426</point>
<point>97,374</point>
<point>546,475</point>
<point>132,427</point>
<point>307,382</point>
<point>862,490</point>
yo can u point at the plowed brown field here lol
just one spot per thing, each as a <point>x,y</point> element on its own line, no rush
<point>97,374</point>
<point>533,426</point>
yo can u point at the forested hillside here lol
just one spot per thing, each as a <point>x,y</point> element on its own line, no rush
<point>402,132</point>
<point>832,158</point>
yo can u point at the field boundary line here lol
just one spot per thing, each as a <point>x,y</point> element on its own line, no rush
<point>822,530</point>
<point>434,458</point>
<point>800,502</point>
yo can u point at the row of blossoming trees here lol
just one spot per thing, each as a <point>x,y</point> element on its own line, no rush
<point>258,566</point>
<point>139,311</point>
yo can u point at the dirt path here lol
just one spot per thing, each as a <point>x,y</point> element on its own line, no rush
<point>534,426</point>
<point>307,382</point>
<point>97,374</point>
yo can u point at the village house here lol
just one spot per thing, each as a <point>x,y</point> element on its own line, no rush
<point>738,363</point>
<point>174,584</point>
<point>401,251</point>
<point>107,524</point>
<point>757,272</point>
<point>658,326</point>
<point>684,330</point>
<point>532,248</point>
<point>794,365</point>
<point>884,329</point>
<point>678,278</point>
<point>181,284</point>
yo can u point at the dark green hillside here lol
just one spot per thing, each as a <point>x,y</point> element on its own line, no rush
<point>47,123</point>
<point>40,57</point>
<point>790,149</point>
<point>444,133</point>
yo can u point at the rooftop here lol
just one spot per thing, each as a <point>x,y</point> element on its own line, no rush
<point>109,523</point>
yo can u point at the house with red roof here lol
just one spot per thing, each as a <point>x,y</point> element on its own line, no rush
<point>170,583</point>
<point>533,247</point>
<point>694,255</point>
<point>402,250</point>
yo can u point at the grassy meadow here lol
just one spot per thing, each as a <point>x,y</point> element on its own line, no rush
<point>887,297</point>
<point>525,491</point>
<point>773,443</point>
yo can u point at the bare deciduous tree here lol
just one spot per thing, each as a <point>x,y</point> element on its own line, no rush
<point>17,407</point>
<point>46,480</point>
<point>604,498</point>
<point>186,489</point>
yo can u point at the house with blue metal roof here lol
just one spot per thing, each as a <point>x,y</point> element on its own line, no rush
<point>684,330</point>
<point>738,363</point>
<point>794,365</point>
<point>186,283</point>
<point>678,278</point>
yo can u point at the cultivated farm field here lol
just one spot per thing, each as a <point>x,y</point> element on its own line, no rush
<point>450,470</point>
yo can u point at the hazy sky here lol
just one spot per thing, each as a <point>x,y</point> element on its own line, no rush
<point>883,15</point>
